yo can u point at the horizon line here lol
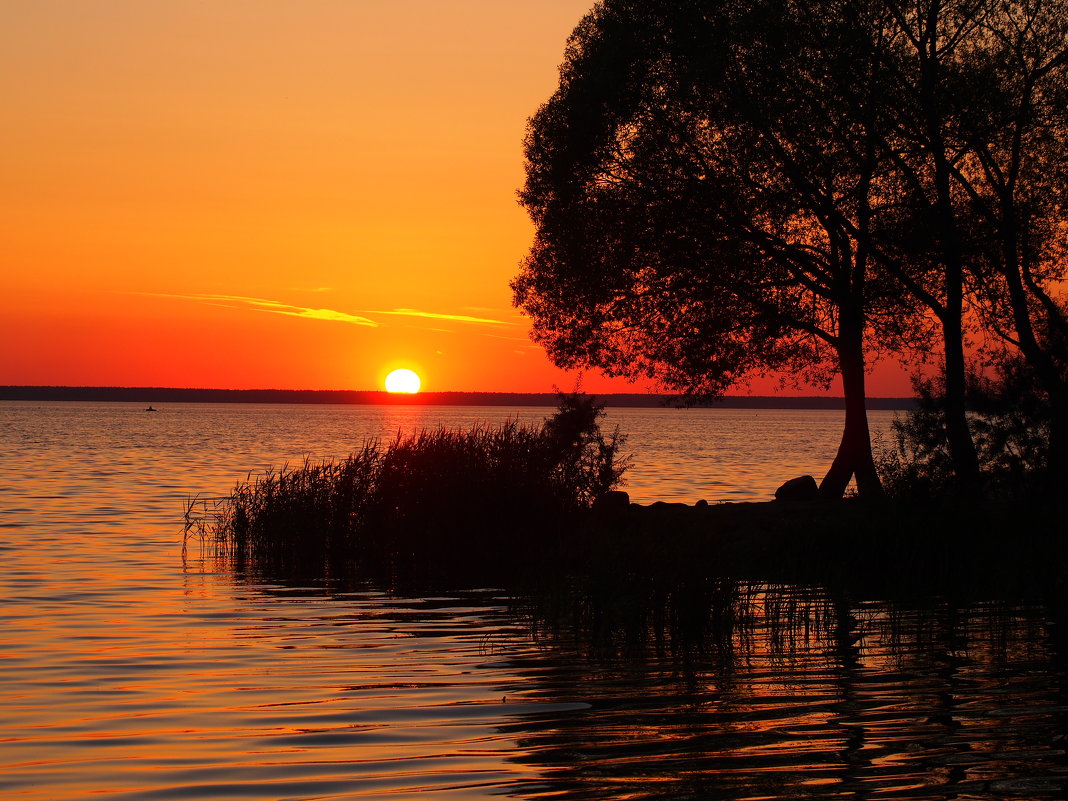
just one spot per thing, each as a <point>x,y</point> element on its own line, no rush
<point>161,387</point>
<point>57,392</point>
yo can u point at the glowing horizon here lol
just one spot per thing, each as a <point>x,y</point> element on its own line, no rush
<point>290,195</point>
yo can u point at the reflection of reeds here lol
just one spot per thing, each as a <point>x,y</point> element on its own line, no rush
<point>433,496</point>
<point>681,618</point>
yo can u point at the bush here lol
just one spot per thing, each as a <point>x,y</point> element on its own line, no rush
<point>1009,418</point>
<point>434,495</point>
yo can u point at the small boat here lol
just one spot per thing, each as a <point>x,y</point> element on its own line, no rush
<point>150,409</point>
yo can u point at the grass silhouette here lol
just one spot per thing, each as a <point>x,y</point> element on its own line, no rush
<point>434,496</point>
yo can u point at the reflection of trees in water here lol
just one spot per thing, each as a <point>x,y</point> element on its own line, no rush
<point>720,689</point>
<point>678,678</point>
<point>707,687</point>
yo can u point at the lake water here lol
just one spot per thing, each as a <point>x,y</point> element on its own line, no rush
<point>132,668</point>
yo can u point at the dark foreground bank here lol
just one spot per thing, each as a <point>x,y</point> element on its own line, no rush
<point>868,550</point>
<point>523,505</point>
<point>881,549</point>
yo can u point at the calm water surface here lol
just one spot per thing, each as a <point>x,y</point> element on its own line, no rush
<point>130,668</point>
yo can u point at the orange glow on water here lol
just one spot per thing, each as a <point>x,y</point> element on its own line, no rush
<point>135,667</point>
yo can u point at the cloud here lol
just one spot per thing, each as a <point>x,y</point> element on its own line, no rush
<point>326,314</point>
<point>456,318</point>
<point>272,306</point>
<point>331,315</point>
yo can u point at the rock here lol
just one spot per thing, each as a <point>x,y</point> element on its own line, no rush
<point>665,505</point>
<point>613,501</point>
<point>701,504</point>
<point>802,488</point>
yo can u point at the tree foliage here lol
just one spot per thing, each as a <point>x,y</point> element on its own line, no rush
<point>695,199</point>
<point>976,132</point>
<point>723,189</point>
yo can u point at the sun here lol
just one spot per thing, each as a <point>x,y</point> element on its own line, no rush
<point>403,380</point>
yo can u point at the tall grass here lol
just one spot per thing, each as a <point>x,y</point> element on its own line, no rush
<point>439,496</point>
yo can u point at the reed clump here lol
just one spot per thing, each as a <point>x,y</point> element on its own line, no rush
<point>436,496</point>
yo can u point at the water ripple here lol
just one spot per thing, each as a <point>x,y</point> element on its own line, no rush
<point>128,673</point>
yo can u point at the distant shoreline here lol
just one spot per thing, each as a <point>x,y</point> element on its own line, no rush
<point>160,395</point>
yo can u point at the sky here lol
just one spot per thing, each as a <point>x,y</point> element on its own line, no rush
<point>263,194</point>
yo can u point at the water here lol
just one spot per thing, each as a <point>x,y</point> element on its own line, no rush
<point>132,670</point>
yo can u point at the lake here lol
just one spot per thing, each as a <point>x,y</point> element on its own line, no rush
<point>136,668</point>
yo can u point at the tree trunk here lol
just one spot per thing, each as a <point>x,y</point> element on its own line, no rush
<point>958,436</point>
<point>854,451</point>
<point>946,234</point>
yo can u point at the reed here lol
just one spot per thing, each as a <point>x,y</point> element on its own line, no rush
<point>434,496</point>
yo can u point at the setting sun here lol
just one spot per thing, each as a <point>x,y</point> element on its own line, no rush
<point>402,380</point>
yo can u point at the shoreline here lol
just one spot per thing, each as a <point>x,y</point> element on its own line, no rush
<point>993,552</point>
<point>868,548</point>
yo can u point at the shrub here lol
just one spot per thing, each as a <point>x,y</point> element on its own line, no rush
<point>1009,417</point>
<point>586,463</point>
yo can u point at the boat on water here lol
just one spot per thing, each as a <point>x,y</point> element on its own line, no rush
<point>150,409</point>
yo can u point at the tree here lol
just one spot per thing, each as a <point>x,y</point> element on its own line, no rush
<point>703,206</point>
<point>728,188</point>
<point>976,132</point>
<point>900,107</point>
<point>1012,177</point>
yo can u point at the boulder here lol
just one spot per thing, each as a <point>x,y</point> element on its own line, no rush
<point>613,501</point>
<point>802,488</point>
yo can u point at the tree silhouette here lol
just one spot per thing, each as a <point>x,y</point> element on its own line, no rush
<point>727,189</point>
<point>697,204</point>
<point>1012,134</point>
<point>973,128</point>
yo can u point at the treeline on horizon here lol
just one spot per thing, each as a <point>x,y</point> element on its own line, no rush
<point>154,395</point>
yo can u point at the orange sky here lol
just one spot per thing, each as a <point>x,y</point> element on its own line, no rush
<point>254,193</point>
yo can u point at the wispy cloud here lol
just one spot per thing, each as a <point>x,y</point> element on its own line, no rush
<point>456,318</point>
<point>331,315</point>
<point>272,306</point>
<point>325,314</point>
